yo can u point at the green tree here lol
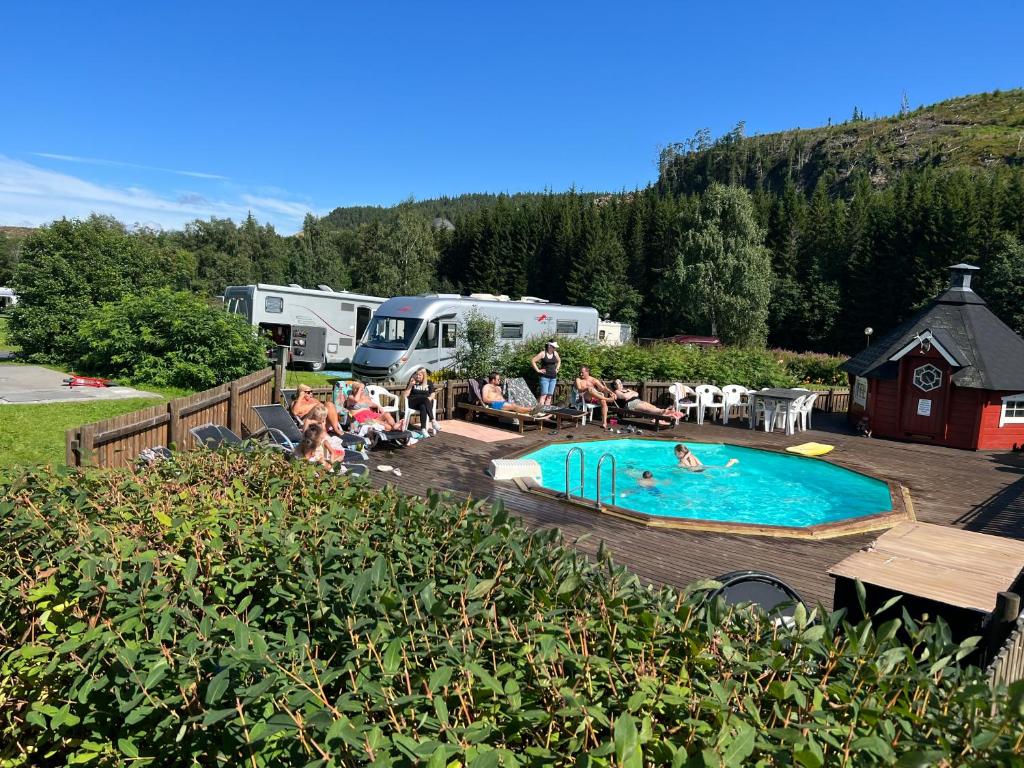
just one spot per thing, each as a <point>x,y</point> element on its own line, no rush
<point>723,268</point>
<point>9,248</point>
<point>1002,282</point>
<point>68,268</point>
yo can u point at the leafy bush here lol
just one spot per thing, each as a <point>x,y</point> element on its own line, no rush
<point>658,362</point>
<point>169,339</point>
<point>235,609</point>
<point>814,368</point>
<point>477,345</point>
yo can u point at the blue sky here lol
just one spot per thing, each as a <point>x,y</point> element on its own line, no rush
<point>161,112</point>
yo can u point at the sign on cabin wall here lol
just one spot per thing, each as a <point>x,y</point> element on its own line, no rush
<point>860,392</point>
<point>924,407</point>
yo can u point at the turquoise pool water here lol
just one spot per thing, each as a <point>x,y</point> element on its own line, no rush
<point>765,488</point>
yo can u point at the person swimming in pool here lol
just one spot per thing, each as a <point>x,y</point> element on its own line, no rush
<point>645,480</point>
<point>688,461</point>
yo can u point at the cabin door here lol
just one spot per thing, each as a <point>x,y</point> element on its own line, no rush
<point>925,389</point>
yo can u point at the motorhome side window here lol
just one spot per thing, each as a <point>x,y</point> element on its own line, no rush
<point>511,330</point>
<point>567,327</point>
<point>274,304</point>
<point>449,335</point>
<point>428,340</point>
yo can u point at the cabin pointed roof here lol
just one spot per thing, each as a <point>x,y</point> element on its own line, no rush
<point>984,352</point>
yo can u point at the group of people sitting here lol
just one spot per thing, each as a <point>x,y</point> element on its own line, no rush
<point>321,422</point>
<point>548,363</point>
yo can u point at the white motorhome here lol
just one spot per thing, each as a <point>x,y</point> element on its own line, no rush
<point>320,327</point>
<point>614,334</point>
<point>408,332</point>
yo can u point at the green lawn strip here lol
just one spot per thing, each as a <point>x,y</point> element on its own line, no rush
<point>34,434</point>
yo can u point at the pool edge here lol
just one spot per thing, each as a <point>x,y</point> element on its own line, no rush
<point>902,506</point>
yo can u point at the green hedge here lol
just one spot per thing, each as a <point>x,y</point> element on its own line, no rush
<point>235,609</point>
<point>678,362</point>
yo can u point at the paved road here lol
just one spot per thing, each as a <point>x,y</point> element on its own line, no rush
<point>24,384</point>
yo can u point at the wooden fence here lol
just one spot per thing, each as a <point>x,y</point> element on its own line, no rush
<point>118,441</point>
<point>1008,665</point>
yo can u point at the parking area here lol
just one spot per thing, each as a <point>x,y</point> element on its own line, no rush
<point>34,384</point>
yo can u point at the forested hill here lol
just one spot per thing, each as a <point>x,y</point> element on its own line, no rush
<point>448,208</point>
<point>978,131</point>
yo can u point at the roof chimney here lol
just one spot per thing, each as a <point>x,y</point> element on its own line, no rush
<point>960,277</point>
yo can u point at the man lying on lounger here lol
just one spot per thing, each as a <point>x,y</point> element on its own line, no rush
<point>494,398</point>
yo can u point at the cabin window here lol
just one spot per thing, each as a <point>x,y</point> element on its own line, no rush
<point>1012,411</point>
<point>274,305</point>
<point>567,327</point>
<point>511,330</point>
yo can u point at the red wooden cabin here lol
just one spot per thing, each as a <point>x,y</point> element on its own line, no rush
<point>951,375</point>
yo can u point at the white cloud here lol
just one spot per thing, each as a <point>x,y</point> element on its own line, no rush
<point>120,164</point>
<point>30,196</point>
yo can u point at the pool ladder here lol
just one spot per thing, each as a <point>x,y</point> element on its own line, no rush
<point>569,489</point>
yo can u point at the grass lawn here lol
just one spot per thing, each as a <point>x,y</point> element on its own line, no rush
<point>34,434</point>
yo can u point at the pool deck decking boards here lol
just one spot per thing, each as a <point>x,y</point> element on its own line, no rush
<point>981,491</point>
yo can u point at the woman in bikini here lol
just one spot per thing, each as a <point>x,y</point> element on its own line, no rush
<point>630,400</point>
<point>305,402</point>
<point>364,410</point>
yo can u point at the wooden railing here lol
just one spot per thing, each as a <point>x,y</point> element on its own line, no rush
<point>116,442</point>
<point>1008,665</point>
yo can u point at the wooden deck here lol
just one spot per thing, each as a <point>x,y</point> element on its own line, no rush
<point>981,491</point>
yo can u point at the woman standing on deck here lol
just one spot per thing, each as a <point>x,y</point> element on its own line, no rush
<point>547,363</point>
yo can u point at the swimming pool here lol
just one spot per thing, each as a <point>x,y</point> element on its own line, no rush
<point>766,489</point>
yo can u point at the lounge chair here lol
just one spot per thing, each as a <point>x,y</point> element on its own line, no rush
<point>475,406</point>
<point>519,392</point>
<point>625,416</point>
<point>281,427</point>
<point>216,436</point>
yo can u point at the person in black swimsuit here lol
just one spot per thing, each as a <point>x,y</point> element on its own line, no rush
<point>630,400</point>
<point>419,395</point>
<point>547,363</point>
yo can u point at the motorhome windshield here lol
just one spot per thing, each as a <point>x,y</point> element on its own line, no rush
<point>238,305</point>
<point>392,332</point>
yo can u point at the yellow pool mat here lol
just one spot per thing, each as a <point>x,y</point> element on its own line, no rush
<point>811,449</point>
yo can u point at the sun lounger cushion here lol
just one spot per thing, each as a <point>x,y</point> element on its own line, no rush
<point>517,391</point>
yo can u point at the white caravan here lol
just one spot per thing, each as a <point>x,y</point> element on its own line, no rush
<point>613,334</point>
<point>320,327</point>
<point>408,332</point>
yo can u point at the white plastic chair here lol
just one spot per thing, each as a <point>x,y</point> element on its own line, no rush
<point>387,401</point>
<point>789,413</point>
<point>733,398</point>
<point>709,397</point>
<point>578,402</point>
<point>684,399</point>
<point>410,412</point>
<point>806,410</point>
